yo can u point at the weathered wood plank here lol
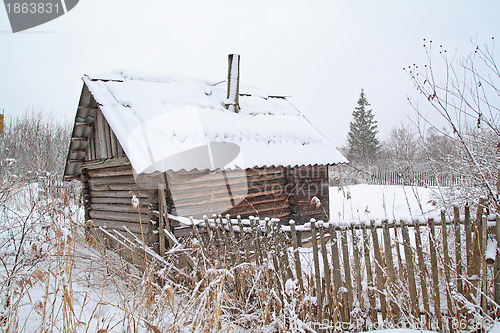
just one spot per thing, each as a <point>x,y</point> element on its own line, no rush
<point>447,262</point>
<point>411,271</point>
<point>107,138</point>
<point>125,170</point>
<point>100,135</point>
<point>357,266</point>
<point>119,208</point>
<point>319,291</point>
<point>436,293</point>
<point>128,179</point>
<point>484,267</point>
<point>347,269</point>
<point>326,267</point>
<point>369,275</point>
<point>116,187</point>
<point>458,249</point>
<point>379,271</point>
<point>125,217</point>
<point>117,196</point>
<point>118,225</point>
<point>296,255</point>
<point>210,198</point>
<point>113,143</point>
<point>422,272</point>
<point>390,270</point>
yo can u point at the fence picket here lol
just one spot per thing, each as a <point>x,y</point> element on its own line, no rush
<point>436,293</point>
<point>447,262</point>
<point>319,293</point>
<point>296,255</point>
<point>458,249</point>
<point>326,267</point>
<point>411,271</point>
<point>357,266</point>
<point>369,275</point>
<point>423,271</point>
<point>390,267</point>
<point>347,269</point>
<point>337,279</point>
<point>379,271</point>
<point>484,273</point>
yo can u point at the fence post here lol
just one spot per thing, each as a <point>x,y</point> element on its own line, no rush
<point>347,269</point>
<point>161,223</point>
<point>379,270</point>
<point>243,238</point>
<point>390,266</point>
<point>337,279</point>
<point>483,245</point>
<point>326,267</point>
<point>411,271</point>
<point>255,227</point>
<point>369,275</point>
<point>357,266</point>
<point>233,242</point>
<point>296,255</point>
<point>436,293</point>
<point>475,264</point>
<point>284,251</point>
<point>447,262</point>
<point>319,294</point>
<point>423,271</point>
<point>497,256</point>
<point>458,249</point>
<point>211,235</point>
<point>198,236</point>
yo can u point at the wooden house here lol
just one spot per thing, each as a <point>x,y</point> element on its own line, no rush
<point>214,148</point>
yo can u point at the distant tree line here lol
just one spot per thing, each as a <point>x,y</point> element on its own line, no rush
<point>465,93</point>
<point>33,143</point>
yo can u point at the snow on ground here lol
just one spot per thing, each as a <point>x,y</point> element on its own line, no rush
<point>395,202</point>
<point>64,283</point>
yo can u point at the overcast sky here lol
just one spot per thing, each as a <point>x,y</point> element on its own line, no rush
<point>321,53</point>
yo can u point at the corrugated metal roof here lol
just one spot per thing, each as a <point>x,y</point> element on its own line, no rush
<point>173,123</point>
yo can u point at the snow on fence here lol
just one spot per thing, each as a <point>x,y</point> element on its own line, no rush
<point>437,274</point>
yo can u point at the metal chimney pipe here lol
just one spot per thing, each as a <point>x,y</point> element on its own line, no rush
<point>233,83</point>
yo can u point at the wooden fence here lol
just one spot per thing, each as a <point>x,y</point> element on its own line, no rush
<point>50,185</point>
<point>347,175</point>
<point>417,178</point>
<point>438,274</point>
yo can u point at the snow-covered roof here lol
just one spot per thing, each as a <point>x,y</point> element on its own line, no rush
<point>173,123</point>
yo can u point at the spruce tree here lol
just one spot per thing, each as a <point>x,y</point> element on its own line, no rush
<point>362,137</point>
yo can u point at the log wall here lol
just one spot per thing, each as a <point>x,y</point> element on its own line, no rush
<point>108,199</point>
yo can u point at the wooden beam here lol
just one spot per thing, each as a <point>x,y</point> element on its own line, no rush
<point>82,124</point>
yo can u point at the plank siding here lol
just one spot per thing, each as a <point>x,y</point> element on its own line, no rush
<point>253,192</point>
<point>103,143</point>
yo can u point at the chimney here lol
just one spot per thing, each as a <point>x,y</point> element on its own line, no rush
<point>233,83</point>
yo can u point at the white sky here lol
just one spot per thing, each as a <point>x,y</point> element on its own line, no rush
<point>319,52</point>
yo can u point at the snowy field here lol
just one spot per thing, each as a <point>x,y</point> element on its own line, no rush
<point>364,202</point>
